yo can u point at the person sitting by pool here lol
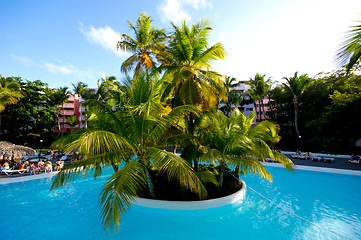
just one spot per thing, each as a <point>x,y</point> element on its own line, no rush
<point>297,154</point>
<point>33,169</point>
<point>5,166</point>
<point>59,165</point>
<point>353,159</point>
<point>41,164</point>
<point>22,166</point>
<point>48,166</point>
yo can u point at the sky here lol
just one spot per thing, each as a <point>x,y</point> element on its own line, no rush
<point>68,41</point>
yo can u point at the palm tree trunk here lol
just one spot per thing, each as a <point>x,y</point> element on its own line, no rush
<point>260,110</point>
<point>195,164</point>
<point>115,167</point>
<point>62,130</point>
<point>220,180</point>
<point>150,183</point>
<point>296,125</point>
<point>264,112</point>
<point>296,120</point>
<point>175,148</point>
<point>237,171</point>
<point>255,109</point>
<point>58,120</point>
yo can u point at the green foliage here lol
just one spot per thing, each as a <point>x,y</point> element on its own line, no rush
<point>328,113</point>
<point>234,98</point>
<point>24,121</point>
<point>350,51</point>
<point>9,92</point>
<point>259,89</point>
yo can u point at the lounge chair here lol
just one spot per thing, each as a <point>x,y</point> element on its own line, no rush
<point>328,159</point>
<point>355,161</point>
<point>269,160</point>
<point>9,172</point>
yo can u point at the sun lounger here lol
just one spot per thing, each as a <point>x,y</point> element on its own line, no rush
<point>328,159</point>
<point>9,172</point>
<point>355,161</point>
<point>269,160</point>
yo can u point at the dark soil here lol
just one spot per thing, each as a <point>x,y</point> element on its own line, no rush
<point>171,191</point>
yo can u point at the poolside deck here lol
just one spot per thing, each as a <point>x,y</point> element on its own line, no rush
<point>339,163</point>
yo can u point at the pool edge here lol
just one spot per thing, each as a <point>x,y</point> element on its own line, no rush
<point>194,205</point>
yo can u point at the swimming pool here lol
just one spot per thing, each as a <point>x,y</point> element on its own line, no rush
<point>30,211</point>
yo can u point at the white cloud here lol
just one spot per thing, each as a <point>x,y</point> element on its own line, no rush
<point>174,10</point>
<point>196,4</point>
<point>59,68</point>
<point>68,69</point>
<point>24,60</point>
<point>105,37</point>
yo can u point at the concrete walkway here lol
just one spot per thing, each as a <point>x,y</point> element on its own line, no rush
<point>339,163</point>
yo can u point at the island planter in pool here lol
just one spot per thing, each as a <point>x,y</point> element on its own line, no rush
<point>194,205</point>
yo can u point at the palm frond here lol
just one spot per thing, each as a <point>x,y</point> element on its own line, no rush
<point>98,142</point>
<point>119,192</point>
<point>176,169</point>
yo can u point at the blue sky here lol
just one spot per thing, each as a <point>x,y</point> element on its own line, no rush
<point>64,42</point>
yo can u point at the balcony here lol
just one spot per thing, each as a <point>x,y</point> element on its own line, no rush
<point>68,112</point>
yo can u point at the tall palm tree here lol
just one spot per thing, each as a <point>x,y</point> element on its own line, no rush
<point>130,138</point>
<point>350,51</point>
<point>259,89</point>
<point>189,62</point>
<point>147,43</point>
<point>234,96</point>
<point>80,89</point>
<point>296,85</point>
<point>58,98</point>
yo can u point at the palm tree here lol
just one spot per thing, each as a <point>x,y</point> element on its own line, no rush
<point>232,141</point>
<point>130,137</point>
<point>58,98</point>
<point>259,89</point>
<point>350,51</point>
<point>234,95</point>
<point>10,92</point>
<point>188,64</point>
<point>296,85</point>
<point>145,46</point>
<point>80,88</point>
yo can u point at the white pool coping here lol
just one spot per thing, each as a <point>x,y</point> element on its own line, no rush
<point>27,178</point>
<point>318,169</point>
<point>193,205</point>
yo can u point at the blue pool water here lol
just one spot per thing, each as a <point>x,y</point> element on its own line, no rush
<point>333,201</point>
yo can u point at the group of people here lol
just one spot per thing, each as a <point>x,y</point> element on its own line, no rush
<point>299,154</point>
<point>46,166</point>
<point>34,168</point>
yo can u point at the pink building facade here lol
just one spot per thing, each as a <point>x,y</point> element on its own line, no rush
<point>248,108</point>
<point>72,107</point>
